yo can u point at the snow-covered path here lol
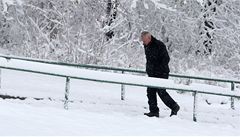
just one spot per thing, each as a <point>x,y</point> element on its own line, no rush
<point>98,110</point>
<point>28,119</point>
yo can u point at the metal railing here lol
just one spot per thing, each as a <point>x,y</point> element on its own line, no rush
<point>124,70</point>
<point>132,83</point>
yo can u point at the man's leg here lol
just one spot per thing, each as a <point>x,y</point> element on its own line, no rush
<point>167,99</point>
<point>152,101</point>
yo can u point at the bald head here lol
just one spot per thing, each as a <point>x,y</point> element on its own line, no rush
<point>146,37</point>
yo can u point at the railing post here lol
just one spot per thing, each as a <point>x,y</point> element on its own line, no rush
<point>67,88</point>
<point>122,90</point>
<point>232,98</point>
<point>195,106</point>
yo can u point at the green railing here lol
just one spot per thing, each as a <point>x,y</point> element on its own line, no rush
<point>69,76</point>
<point>124,70</point>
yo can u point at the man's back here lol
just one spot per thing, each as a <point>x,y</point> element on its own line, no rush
<point>157,58</point>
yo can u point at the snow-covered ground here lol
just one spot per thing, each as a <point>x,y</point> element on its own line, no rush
<point>97,110</point>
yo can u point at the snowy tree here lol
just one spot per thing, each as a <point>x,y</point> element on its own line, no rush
<point>107,32</point>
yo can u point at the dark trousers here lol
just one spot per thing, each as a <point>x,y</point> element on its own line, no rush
<point>165,97</point>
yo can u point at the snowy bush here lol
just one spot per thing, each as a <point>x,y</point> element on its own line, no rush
<point>201,35</point>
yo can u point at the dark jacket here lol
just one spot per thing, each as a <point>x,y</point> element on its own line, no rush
<point>157,59</point>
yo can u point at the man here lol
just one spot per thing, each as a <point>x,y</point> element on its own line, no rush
<point>157,66</point>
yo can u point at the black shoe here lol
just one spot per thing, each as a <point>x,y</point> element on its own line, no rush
<point>175,110</point>
<point>151,114</point>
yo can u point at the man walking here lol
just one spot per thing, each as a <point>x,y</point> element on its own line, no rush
<point>157,66</point>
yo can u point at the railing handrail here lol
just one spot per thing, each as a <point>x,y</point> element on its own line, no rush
<point>116,69</point>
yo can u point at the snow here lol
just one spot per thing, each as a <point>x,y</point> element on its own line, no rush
<point>157,3</point>
<point>213,99</point>
<point>98,110</point>
<point>7,3</point>
<point>52,121</point>
<point>145,5</point>
<point>200,1</point>
<point>134,4</point>
<point>4,51</point>
<point>105,76</point>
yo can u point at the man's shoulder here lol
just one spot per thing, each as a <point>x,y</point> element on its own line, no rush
<point>159,43</point>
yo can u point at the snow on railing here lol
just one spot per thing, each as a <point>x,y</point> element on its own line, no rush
<point>232,82</point>
<point>106,77</point>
